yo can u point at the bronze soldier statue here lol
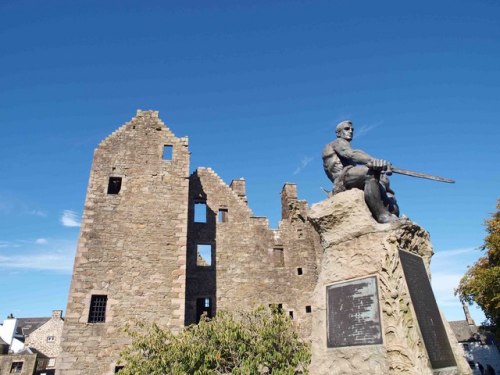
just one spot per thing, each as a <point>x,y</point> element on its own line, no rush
<point>348,168</point>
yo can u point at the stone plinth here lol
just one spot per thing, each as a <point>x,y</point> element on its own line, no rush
<point>361,257</point>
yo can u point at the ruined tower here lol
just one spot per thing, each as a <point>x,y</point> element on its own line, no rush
<point>131,256</point>
<point>160,245</point>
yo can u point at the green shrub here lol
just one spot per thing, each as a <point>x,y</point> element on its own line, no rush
<point>262,341</point>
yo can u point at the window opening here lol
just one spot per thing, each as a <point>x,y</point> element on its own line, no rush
<point>278,257</point>
<point>167,152</point>
<point>203,255</point>
<point>52,362</point>
<point>203,305</point>
<point>97,311</point>
<point>200,212</point>
<point>308,309</point>
<point>299,271</point>
<point>223,215</point>
<point>291,314</point>
<point>16,367</point>
<point>114,185</point>
<point>118,368</point>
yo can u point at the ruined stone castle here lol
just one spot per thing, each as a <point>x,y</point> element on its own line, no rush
<point>159,244</point>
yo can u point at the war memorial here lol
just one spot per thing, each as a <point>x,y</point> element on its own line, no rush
<point>159,244</point>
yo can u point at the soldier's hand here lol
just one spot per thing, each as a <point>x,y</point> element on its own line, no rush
<point>379,165</point>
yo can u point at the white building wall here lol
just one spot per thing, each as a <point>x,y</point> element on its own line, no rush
<point>7,330</point>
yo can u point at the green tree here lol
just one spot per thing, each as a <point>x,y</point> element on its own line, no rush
<point>262,341</point>
<point>481,282</point>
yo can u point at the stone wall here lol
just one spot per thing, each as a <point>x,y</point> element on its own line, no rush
<point>47,338</point>
<point>252,264</point>
<point>28,363</point>
<point>132,246</point>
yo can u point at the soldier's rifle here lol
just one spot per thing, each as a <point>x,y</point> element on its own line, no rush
<point>419,175</point>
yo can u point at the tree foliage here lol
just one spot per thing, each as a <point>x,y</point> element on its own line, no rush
<point>262,341</point>
<point>481,283</point>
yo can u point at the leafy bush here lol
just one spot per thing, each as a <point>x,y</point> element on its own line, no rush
<point>262,341</point>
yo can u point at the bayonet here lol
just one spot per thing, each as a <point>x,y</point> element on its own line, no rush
<point>421,175</point>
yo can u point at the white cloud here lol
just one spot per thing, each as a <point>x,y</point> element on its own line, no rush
<point>41,241</point>
<point>38,213</point>
<point>70,219</point>
<point>448,267</point>
<point>7,244</point>
<point>303,163</point>
<point>444,254</point>
<point>365,129</point>
<point>59,258</point>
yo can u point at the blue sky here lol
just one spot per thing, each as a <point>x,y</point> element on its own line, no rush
<point>258,87</point>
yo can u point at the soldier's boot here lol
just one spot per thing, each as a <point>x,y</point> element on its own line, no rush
<point>374,201</point>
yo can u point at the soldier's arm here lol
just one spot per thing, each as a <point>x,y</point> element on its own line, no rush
<point>344,150</point>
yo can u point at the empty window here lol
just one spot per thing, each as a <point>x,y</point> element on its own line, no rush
<point>223,215</point>
<point>97,311</point>
<point>167,152</point>
<point>278,257</point>
<point>118,368</point>
<point>51,338</point>
<point>204,255</point>
<point>291,314</point>
<point>308,309</point>
<point>299,271</point>
<point>114,185</point>
<point>200,212</point>
<point>203,305</point>
<point>16,367</point>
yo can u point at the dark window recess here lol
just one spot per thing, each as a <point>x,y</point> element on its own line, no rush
<point>200,212</point>
<point>278,257</point>
<point>291,314</point>
<point>223,215</point>
<point>299,271</point>
<point>308,309</point>
<point>203,305</point>
<point>16,367</point>
<point>118,368</point>
<point>167,152</point>
<point>97,311</point>
<point>114,185</point>
<point>203,255</point>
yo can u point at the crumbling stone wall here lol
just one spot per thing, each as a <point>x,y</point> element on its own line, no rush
<point>139,247</point>
<point>252,264</point>
<point>132,245</point>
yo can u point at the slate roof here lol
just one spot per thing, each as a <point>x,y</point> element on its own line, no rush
<point>25,326</point>
<point>462,330</point>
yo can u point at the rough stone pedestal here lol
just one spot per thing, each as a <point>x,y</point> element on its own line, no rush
<point>357,247</point>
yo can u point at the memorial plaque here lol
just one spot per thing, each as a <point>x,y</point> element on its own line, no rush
<point>353,316</point>
<point>428,316</point>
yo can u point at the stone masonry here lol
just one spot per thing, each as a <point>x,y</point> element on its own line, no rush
<point>46,339</point>
<point>145,255</point>
<point>132,246</point>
